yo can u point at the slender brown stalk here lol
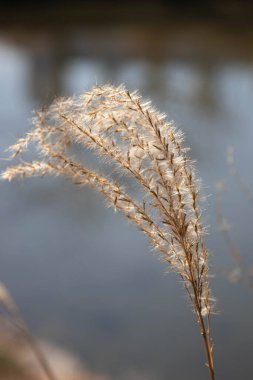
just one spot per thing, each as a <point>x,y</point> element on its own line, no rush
<point>205,333</point>
<point>132,135</point>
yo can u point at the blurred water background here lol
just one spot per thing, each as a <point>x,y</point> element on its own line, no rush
<point>82,276</point>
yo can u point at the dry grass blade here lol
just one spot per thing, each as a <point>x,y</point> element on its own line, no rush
<point>134,136</point>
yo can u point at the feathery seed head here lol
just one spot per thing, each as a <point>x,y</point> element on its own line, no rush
<point>130,133</point>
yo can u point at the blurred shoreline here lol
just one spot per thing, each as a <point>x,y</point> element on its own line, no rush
<point>62,14</point>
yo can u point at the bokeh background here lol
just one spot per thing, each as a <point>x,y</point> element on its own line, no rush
<point>84,278</point>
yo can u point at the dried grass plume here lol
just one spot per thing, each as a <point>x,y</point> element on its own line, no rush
<point>128,131</point>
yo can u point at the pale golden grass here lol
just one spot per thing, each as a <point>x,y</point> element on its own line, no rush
<point>23,358</point>
<point>17,362</point>
<point>13,319</point>
<point>130,133</point>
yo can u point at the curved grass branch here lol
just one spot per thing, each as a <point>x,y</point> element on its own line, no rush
<point>136,138</point>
